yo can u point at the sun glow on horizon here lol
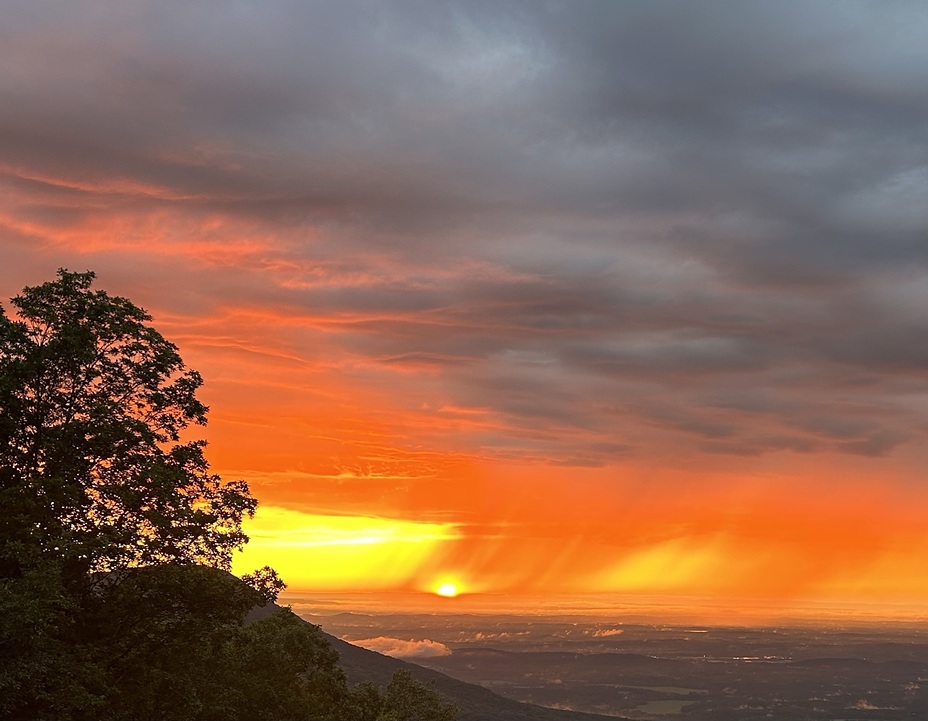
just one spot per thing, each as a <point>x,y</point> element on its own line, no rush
<point>447,590</point>
<point>323,552</point>
<point>763,553</point>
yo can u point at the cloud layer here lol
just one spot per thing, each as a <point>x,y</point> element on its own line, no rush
<point>401,238</point>
<point>398,648</point>
<point>596,224</point>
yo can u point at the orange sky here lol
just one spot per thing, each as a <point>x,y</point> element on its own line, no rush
<point>366,488</point>
<point>475,307</point>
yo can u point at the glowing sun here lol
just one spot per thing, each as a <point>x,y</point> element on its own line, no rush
<point>448,590</point>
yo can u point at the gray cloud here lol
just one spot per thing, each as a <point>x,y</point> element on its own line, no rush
<point>611,225</point>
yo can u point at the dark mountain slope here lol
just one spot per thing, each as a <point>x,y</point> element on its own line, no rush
<point>474,702</point>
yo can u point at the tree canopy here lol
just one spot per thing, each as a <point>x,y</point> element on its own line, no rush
<point>93,471</point>
<point>116,540</point>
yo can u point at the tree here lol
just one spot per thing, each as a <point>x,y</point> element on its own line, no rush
<point>95,479</point>
<point>281,667</point>
<point>161,641</point>
<point>409,700</point>
<point>93,472</point>
<point>266,583</point>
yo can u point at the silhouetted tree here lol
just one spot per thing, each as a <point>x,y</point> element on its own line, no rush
<point>409,700</point>
<point>281,667</point>
<point>95,480</point>
<point>266,582</point>
<point>93,474</point>
<point>160,639</point>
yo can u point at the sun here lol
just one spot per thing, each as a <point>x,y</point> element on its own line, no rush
<point>448,590</point>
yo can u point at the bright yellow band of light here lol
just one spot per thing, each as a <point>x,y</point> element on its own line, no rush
<point>321,552</point>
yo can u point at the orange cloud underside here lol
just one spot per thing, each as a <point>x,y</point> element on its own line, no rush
<point>373,477</point>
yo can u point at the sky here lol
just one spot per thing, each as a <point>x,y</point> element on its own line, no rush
<point>522,297</point>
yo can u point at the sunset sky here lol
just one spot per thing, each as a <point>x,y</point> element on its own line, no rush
<point>522,297</point>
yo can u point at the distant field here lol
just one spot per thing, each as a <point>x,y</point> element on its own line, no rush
<point>666,672</point>
<point>662,708</point>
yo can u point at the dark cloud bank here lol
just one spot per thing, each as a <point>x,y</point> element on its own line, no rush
<point>609,224</point>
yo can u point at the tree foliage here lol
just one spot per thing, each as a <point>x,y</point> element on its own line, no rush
<point>93,471</point>
<point>408,700</point>
<point>266,582</point>
<point>182,651</point>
